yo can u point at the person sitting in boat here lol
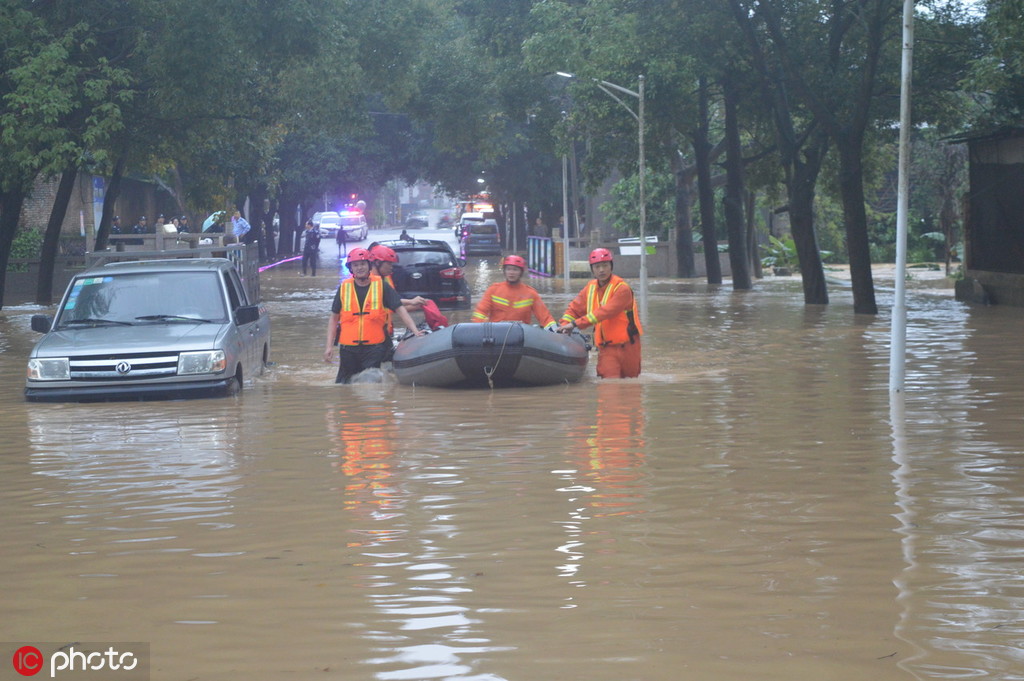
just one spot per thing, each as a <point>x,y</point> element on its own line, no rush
<point>360,313</point>
<point>512,300</point>
<point>607,303</point>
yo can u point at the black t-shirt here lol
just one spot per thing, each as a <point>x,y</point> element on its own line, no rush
<point>392,300</point>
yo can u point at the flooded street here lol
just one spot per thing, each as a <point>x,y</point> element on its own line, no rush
<point>750,508</point>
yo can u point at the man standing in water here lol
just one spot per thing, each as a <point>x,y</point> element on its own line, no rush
<point>607,303</point>
<point>359,319</point>
<point>512,300</point>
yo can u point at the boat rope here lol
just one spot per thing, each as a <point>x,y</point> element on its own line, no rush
<point>489,371</point>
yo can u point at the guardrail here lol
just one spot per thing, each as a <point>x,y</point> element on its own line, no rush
<point>245,256</point>
<point>160,241</point>
<point>540,255</point>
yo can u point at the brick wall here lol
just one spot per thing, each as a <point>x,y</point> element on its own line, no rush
<point>136,198</point>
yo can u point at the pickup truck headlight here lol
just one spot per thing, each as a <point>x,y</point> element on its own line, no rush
<point>49,369</point>
<point>205,362</point>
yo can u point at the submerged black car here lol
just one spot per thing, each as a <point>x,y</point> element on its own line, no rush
<point>429,268</point>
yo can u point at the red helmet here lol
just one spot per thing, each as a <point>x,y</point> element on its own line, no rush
<point>515,260</point>
<point>600,255</point>
<point>357,255</point>
<point>383,253</point>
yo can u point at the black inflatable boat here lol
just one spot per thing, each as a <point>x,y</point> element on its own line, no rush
<point>497,354</point>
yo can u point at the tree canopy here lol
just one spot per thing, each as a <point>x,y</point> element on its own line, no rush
<point>287,100</point>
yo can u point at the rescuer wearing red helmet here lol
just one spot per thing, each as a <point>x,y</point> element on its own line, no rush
<point>383,264</point>
<point>359,319</point>
<point>607,303</point>
<point>512,300</point>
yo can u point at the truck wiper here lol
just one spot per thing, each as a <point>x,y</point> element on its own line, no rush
<point>94,322</point>
<point>172,317</point>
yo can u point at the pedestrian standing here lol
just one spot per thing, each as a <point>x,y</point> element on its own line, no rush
<point>607,303</point>
<point>310,247</point>
<point>239,225</point>
<point>341,238</point>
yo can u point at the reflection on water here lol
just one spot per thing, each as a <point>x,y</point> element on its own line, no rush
<point>751,507</point>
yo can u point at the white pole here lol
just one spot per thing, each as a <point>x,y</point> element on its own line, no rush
<point>643,207</point>
<point>898,342</point>
<point>565,221</point>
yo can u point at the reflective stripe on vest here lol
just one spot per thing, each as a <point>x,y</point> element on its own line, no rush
<point>362,326</point>
<point>614,330</point>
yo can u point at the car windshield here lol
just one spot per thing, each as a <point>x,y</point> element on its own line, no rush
<point>483,229</point>
<point>124,298</point>
<point>424,257</point>
<point>351,222</point>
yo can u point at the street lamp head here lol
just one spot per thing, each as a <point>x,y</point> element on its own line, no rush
<point>563,74</point>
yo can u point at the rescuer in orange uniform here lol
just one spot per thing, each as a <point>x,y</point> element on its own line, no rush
<point>359,320</point>
<point>512,300</point>
<point>607,303</point>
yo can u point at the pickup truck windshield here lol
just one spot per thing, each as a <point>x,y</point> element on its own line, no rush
<point>124,298</point>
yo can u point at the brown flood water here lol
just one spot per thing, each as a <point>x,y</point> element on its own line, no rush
<point>750,508</point>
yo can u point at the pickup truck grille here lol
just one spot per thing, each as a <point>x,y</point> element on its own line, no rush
<point>123,367</point>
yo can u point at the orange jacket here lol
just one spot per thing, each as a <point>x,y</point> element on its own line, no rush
<point>365,326</point>
<point>608,310</point>
<point>504,302</point>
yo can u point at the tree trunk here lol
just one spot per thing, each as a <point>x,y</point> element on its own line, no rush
<point>270,229</point>
<point>706,193</point>
<point>10,213</point>
<point>851,187</point>
<point>752,251</point>
<point>51,240</point>
<point>734,193</point>
<point>685,265</point>
<point>109,203</point>
<point>800,186</point>
<point>288,241</point>
<point>257,232</point>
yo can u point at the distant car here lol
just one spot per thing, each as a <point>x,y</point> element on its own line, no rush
<point>417,220</point>
<point>150,329</point>
<point>354,225</point>
<point>465,220</point>
<point>328,222</point>
<point>430,268</point>
<point>482,238</point>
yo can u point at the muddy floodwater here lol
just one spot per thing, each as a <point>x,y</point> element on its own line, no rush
<point>752,507</point>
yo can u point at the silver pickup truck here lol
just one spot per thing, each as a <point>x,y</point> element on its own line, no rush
<point>150,329</point>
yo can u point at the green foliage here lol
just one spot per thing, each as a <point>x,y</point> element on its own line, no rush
<point>780,253</point>
<point>623,209</point>
<point>27,244</point>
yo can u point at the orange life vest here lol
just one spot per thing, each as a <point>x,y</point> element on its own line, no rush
<point>616,329</point>
<point>366,325</point>
<point>391,283</point>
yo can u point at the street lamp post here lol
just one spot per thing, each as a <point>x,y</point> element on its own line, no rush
<point>638,115</point>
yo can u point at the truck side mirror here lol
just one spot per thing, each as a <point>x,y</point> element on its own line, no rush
<point>247,314</point>
<point>42,323</point>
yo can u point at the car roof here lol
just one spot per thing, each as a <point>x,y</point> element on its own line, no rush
<point>472,216</point>
<point>164,265</point>
<point>422,244</point>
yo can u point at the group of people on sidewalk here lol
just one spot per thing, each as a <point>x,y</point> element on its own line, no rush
<point>362,309</point>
